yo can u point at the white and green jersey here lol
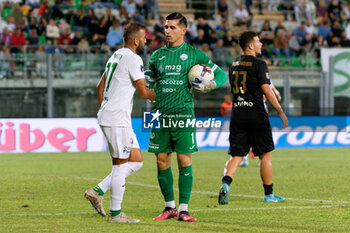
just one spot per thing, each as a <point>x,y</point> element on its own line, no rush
<point>122,69</point>
<point>169,69</point>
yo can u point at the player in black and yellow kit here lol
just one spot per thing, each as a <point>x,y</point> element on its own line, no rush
<point>250,126</point>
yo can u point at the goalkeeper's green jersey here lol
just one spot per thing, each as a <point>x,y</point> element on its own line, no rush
<point>169,70</point>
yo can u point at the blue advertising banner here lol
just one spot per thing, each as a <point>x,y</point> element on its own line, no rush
<point>302,132</point>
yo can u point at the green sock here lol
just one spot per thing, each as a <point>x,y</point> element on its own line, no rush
<point>98,190</point>
<point>185,184</point>
<point>166,183</point>
<point>114,212</point>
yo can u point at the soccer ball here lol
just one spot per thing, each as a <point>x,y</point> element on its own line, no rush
<point>200,70</point>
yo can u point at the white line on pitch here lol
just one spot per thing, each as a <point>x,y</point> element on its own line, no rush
<point>272,208</point>
<point>199,210</point>
<point>231,194</point>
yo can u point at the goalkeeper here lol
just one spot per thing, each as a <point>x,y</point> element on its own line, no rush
<point>169,67</point>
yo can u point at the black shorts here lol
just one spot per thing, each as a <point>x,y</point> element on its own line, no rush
<point>255,135</point>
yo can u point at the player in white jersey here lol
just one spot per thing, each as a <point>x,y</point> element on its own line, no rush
<point>115,91</point>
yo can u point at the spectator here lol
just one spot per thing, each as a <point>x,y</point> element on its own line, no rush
<point>32,20</point>
<point>77,37</point>
<point>347,30</point>
<point>300,32</point>
<point>280,44</point>
<point>241,15</point>
<point>336,34</point>
<point>5,63</point>
<point>40,64</point>
<point>323,33</point>
<point>33,41</point>
<point>5,37</point>
<point>114,37</point>
<point>52,31</point>
<point>205,27</point>
<point>92,23</point>
<point>83,46</point>
<point>33,3</point>
<point>310,29</point>
<point>191,30</point>
<point>272,5</point>
<point>223,9</point>
<point>267,33</point>
<point>294,47</point>
<point>279,26</point>
<point>334,11</point>
<point>80,21</point>
<point>141,7</point>
<point>130,7</point>
<point>206,49</point>
<point>56,50</point>
<point>229,39</point>
<point>222,28</point>
<point>18,16</point>
<point>220,54</point>
<point>106,22</point>
<point>95,43</point>
<point>346,12</point>
<point>17,41</point>
<point>226,106</point>
<point>67,48</point>
<point>6,9</point>
<point>302,10</point>
<point>9,24</point>
<point>65,35</point>
<point>200,39</point>
<point>56,11</point>
<point>158,28</point>
<point>321,11</point>
<point>288,8</point>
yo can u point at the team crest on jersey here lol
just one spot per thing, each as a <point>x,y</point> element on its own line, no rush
<point>183,56</point>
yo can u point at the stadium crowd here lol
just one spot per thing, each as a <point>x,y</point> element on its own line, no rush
<point>86,26</point>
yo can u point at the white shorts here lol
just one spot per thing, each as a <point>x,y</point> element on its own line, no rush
<point>120,141</point>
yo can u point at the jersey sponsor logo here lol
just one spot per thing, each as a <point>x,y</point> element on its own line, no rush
<point>126,150</point>
<point>183,56</point>
<point>173,68</point>
<point>168,90</point>
<point>242,103</point>
<point>161,58</point>
<point>171,81</point>
<point>151,120</point>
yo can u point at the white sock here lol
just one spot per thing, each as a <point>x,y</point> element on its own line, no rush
<point>105,184</point>
<point>118,185</point>
<point>170,204</point>
<point>245,158</point>
<point>133,167</point>
<point>183,207</point>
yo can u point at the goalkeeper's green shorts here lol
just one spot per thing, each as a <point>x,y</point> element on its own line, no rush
<point>179,140</point>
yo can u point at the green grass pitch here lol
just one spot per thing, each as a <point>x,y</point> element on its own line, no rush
<point>44,193</point>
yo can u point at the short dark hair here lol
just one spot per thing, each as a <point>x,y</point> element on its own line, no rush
<point>131,30</point>
<point>246,38</point>
<point>177,16</point>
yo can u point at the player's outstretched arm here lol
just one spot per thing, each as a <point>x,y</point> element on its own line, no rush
<point>143,91</point>
<point>270,96</point>
<point>100,87</point>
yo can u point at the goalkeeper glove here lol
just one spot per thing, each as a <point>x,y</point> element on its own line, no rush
<point>149,80</point>
<point>203,85</point>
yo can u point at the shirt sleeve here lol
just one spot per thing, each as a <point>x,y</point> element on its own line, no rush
<point>136,70</point>
<point>263,73</point>
<point>220,76</point>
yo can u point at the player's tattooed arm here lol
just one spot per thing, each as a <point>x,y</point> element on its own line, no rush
<point>143,91</point>
<point>100,87</point>
<point>270,96</point>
